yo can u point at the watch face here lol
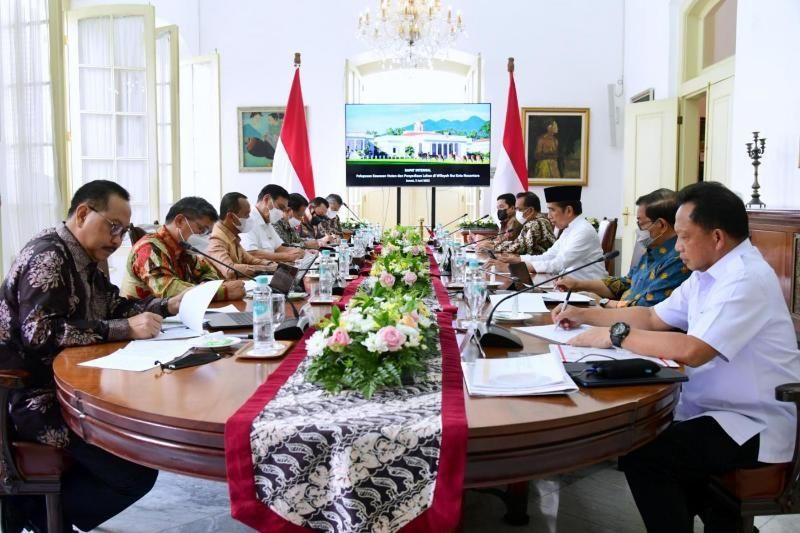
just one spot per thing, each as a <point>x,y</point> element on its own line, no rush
<point>618,328</point>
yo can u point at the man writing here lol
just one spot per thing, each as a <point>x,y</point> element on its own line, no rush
<point>224,243</point>
<point>738,346</point>
<point>660,269</point>
<point>55,297</point>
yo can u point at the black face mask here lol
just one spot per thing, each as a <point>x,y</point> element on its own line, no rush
<point>502,214</point>
<point>316,219</point>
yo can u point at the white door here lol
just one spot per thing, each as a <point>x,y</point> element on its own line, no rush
<point>718,132</point>
<point>651,144</point>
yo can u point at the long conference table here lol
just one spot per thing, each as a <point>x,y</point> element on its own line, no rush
<point>175,421</point>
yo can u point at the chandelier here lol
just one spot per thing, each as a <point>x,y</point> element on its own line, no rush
<point>410,33</point>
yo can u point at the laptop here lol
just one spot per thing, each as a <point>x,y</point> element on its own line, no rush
<point>282,282</point>
<point>520,271</point>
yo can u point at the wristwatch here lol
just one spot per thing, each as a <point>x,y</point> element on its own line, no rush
<point>603,302</point>
<point>165,307</point>
<point>618,332</point>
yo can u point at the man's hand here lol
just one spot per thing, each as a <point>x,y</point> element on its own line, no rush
<point>499,265</point>
<point>568,284</point>
<point>144,325</point>
<point>294,254</point>
<point>509,258</point>
<point>234,290</point>
<point>568,318</point>
<point>594,338</point>
<point>324,240</point>
<point>174,303</point>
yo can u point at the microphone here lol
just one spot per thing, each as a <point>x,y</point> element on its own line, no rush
<point>299,282</point>
<point>351,212</point>
<point>282,281</point>
<point>186,246</point>
<point>503,337</point>
<point>456,219</point>
<point>476,241</point>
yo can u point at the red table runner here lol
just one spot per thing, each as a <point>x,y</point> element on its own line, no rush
<point>445,509</point>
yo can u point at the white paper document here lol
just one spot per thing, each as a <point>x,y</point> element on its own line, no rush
<point>195,302</point>
<point>517,376</point>
<point>552,333</point>
<point>230,308</point>
<point>528,303</point>
<point>573,298</point>
<point>172,331</point>
<point>573,354</point>
<point>141,355</point>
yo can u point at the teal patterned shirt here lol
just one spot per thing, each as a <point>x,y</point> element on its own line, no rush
<point>659,271</point>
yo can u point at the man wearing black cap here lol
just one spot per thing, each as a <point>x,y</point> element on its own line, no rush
<point>577,243</point>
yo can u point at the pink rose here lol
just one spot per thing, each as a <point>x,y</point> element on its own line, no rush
<point>409,278</point>
<point>392,338</point>
<point>416,250</point>
<point>339,339</point>
<point>387,280</point>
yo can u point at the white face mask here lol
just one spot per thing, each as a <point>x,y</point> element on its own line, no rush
<point>245,225</point>
<point>520,217</point>
<point>332,214</point>
<point>643,237</point>
<point>197,241</point>
<point>293,222</point>
<point>275,215</point>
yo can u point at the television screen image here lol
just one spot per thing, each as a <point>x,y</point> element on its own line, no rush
<point>418,145</point>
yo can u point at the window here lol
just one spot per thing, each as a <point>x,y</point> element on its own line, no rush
<point>167,108</point>
<point>29,190</point>
<point>112,116</point>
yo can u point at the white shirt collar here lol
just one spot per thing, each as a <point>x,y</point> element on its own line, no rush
<point>727,262</point>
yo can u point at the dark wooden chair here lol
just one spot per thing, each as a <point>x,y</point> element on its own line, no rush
<point>767,490</point>
<point>27,468</point>
<point>607,231</point>
<point>135,233</point>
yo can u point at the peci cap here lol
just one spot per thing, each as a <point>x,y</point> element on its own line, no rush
<point>563,193</point>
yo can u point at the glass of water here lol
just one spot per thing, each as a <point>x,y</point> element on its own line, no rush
<point>277,309</point>
<point>475,292</point>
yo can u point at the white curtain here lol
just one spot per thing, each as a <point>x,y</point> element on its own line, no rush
<point>164,120</point>
<point>29,190</point>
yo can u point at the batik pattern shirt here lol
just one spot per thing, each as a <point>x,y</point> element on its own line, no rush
<point>55,297</point>
<point>535,238</point>
<point>509,231</point>
<point>225,246</point>
<point>287,233</point>
<point>658,272</point>
<point>157,265</point>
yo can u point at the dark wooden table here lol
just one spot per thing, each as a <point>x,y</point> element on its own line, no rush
<point>175,421</point>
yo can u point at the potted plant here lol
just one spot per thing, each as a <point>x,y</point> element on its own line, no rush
<point>481,228</point>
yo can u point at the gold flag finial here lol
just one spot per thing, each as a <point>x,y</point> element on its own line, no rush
<point>297,59</point>
<point>511,64</point>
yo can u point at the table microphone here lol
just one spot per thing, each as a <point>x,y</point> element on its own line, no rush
<point>505,338</point>
<point>186,246</point>
<point>351,212</point>
<point>456,220</point>
<point>476,241</point>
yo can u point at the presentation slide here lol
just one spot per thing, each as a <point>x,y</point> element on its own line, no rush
<point>417,145</point>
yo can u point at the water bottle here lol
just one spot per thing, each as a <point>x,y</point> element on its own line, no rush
<point>326,276</point>
<point>262,315</point>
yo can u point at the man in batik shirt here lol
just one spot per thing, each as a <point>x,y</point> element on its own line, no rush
<point>159,266</point>
<point>660,269</point>
<point>289,227</point>
<point>536,235</point>
<point>335,203</point>
<point>55,297</point>
<point>319,225</point>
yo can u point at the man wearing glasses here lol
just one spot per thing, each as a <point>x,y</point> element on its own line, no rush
<point>54,297</point>
<point>158,265</point>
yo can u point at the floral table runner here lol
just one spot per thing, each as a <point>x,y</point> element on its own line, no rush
<point>300,459</point>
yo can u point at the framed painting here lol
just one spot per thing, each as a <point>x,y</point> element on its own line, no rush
<point>556,145</point>
<point>259,131</point>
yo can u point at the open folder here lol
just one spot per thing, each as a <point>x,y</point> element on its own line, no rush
<point>517,376</point>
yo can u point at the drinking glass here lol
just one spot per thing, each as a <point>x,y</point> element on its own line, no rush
<point>278,309</point>
<point>475,292</point>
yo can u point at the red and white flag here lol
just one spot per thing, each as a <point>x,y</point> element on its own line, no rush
<point>512,172</point>
<point>291,166</point>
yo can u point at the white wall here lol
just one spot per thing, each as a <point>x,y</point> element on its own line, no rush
<point>766,84</point>
<point>566,53</point>
<point>767,99</point>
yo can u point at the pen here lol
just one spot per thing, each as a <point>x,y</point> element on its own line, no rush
<point>564,305</point>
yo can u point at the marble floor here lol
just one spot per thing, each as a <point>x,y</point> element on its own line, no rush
<point>594,500</point>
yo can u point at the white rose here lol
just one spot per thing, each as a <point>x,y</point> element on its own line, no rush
<point>315,345</point>
<point>374,343</point>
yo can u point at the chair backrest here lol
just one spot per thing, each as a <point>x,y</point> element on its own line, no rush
<point>607,231</point>
<point>135,233</point>
<point>789,500</point>
<point>9,475</point>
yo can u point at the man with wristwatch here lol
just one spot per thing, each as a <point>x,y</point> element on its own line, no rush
<point>739,344</point>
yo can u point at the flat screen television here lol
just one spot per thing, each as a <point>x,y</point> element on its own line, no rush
<point>417,145</point>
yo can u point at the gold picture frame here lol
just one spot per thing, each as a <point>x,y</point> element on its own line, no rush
<point>556,145</point>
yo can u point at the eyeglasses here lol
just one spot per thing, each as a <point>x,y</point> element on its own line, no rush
<point>203,232</point>
<point>116,229</point>
<point>639,225</point>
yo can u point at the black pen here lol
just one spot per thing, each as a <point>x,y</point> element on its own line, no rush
<point>564,305</point>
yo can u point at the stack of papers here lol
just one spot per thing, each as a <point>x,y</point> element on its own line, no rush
<point>552,333</point>
<point>517,376</point>
<point>560,296</point>
<point>573,354</point>
<point>141,355</point>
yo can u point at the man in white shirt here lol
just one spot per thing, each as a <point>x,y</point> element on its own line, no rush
<point>739,345</point>
<point>577,241</point>
<point>262,241</point>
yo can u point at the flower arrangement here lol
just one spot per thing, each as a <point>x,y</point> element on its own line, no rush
<point>350,225</point>
<point>373,344</point>
<point>403,269</point>
<point>401,236</point>
<point>485,224</point>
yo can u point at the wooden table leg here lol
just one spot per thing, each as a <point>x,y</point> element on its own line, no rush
<point>516,500</point>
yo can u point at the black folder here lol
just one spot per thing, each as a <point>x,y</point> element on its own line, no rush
<point>578,372</point>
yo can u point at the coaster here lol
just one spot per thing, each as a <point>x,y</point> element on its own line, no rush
<point>508,316</point>
<point>244,351</point>
<point>322,301</point>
